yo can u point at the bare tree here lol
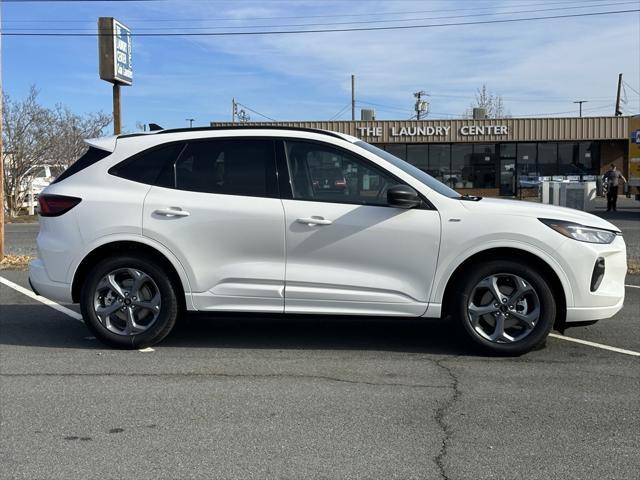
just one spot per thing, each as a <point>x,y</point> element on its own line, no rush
<point>34,135</point>
<point>491,102</point>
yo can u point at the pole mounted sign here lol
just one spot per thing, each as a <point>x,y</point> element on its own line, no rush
<point>116,66</point>
<point>115,51</point>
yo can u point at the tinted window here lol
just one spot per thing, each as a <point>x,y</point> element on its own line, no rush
<point>416,173</point>
<point>440,162</point>
<point>322,173</point>
<point>91,156</point>
<point>418,156</point>
<point>461,166</point>
<point>229,166</point>
<point>147,166</point>
<point>484,166</point>
<point>548,159</point>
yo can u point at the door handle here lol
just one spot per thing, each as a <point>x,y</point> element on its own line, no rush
<point>172,212</point>
<point>315,220</point>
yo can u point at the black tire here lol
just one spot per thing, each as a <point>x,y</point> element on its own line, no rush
<point>461,298</point>
<point>168,309</point>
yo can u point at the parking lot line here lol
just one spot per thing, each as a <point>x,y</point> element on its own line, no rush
<point>596,345</point>
<point>77,316</point>
<point>46,301</point>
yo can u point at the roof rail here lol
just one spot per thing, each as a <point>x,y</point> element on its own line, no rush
<point>235,127</point>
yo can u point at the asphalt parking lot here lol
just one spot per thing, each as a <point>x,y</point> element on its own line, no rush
<point>264,397</point>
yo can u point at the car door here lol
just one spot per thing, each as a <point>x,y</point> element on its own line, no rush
<point>347,251</point>
<point>216,207</point>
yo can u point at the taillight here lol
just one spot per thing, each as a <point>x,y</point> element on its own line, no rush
<point>56,205</point>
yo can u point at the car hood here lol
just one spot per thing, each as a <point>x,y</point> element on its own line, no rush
<point>499,206</point>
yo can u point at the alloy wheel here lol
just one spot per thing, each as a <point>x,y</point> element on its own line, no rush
<point>127,301</point>
<point>503,308</point>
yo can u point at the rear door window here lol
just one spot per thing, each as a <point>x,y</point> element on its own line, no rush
<point>228,166</point>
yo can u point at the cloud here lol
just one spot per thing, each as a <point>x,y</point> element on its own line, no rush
<point>539,60</point>
<point>537,66</point>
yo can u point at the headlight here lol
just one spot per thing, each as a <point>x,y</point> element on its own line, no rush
<point>579,232</point>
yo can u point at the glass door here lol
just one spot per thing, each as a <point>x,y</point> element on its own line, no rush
<point>507,169</point>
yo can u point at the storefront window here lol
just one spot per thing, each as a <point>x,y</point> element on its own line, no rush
<point>568,158</point>
<point>418,155</point>
<point>548,159</point>
<point>440,162</point>
<point>507,150</point>
<point>527,160</point>
<point>461,169</point>
<point>397,150</point>
<point>526,164</point>
<point>483,164</point>
<point>589,157</point>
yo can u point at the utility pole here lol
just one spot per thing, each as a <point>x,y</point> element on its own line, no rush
<point>233,110</point>
<point>190,120</point>
<point>618,112</point>
<point>581,102</point>
<point>353,98</point>
<point>117,123</point>
<point>421,105</point>
<point>1,157</point>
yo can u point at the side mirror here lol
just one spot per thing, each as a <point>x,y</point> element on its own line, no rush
<point>403,196</point>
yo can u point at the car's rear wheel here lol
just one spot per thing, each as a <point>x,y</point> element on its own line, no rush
<point>504,307</point>
<point>129,302</point>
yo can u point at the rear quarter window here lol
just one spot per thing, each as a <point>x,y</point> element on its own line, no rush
<point>153,166</point>
<point>91,156</point>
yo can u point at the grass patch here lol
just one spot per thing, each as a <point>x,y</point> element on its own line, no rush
<point>15,262</point>
<point>21,219</point>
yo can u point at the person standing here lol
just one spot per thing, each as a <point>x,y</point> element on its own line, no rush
<point>612,177</point>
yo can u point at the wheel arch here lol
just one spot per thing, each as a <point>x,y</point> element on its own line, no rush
<point>128,246</point>
<point>559,291</point>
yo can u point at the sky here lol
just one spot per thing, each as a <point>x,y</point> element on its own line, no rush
<point>538,67</point>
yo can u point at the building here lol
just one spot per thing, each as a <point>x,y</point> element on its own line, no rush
<point>492,157</point>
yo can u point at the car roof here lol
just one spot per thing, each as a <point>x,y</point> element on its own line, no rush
<point>109,143</point>
<point>243,127</point>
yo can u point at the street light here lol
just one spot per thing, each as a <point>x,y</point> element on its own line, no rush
<point>190,120</point>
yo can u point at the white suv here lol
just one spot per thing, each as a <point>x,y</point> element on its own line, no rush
<point>146,226</point>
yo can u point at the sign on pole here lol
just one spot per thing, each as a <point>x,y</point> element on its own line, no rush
<point>115,51</point>
<point>116,64</point>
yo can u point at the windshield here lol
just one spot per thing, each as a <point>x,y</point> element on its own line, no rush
<point>415,172</point>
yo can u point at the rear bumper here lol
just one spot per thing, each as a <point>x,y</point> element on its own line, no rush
<point>42,285</point>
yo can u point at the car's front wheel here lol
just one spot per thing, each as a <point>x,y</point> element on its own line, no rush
<point>504,307</point>
<point>129,302</point>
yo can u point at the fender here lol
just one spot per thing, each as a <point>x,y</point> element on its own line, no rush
<point>444,272</point>
<point>184,279</point>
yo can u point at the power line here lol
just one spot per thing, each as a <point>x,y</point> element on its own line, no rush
<point>592,109</point>
<point>630,87</point>
<point>370,14</point>
<point>336,30</point>
<point>341,111</point>
<point>67,29</point>
<point>257,113</point>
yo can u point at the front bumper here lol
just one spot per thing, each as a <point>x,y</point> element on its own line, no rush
<point>578,314</point>
<point>42,285</point>
<point>608,298</point>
